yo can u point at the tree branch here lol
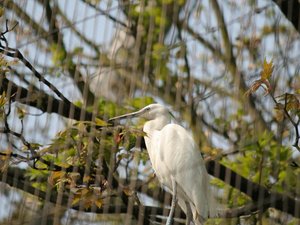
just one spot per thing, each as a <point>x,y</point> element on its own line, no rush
<point>41,100</point>
<point>229,60</point>
<point>15,53</point>
<point>57,38</point>
<point>291,9</point>
<point>262,197</point>
<point>80,35</point>
<point>106,14</point>
<point>53,36</point>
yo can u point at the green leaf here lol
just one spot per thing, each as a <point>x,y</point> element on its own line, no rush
<point>78,50</point>
<point>282,175</point>
<point>58,54</point>
<point>158,50</point>
<point>140,102</point>
<point>101,123</point>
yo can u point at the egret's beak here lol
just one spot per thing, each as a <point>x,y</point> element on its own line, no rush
<point>128,115</point>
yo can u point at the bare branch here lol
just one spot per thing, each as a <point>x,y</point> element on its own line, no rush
<point>262,197</point>
<point>15,53</point>
<point>106,14</point>
<point>80,35</point>
<point>40,100</point>
<point>54,36</point>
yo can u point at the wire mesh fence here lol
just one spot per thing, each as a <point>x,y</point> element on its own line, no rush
<point>227,71</point>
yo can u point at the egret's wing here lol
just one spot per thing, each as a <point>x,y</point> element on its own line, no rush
<point>179,156</point>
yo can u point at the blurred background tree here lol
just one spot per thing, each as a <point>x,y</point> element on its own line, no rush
<point>229,70</point>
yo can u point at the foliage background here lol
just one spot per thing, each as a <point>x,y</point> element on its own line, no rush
<point>229,71</point>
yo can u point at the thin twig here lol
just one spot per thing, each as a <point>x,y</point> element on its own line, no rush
<point>288,116</point>
<point>103,12</point>
<point>7,29</point>
<point>7,130</point>
<point>15,53</point>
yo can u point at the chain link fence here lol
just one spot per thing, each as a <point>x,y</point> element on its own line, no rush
<point>228,71</point>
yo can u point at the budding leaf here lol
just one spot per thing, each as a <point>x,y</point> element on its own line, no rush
<point>21,112</point>
<point>267,70</point>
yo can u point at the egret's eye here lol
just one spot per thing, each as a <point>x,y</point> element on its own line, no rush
<point>148,108</point>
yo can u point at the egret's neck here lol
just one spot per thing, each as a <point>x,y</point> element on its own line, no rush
<point>156,124</point>
<point>150,128</point>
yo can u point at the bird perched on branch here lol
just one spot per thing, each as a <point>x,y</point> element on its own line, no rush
<point>177,162</point>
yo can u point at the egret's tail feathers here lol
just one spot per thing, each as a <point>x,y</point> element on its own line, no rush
<point>214,207</point>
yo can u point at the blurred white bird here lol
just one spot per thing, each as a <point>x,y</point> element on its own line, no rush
<point>177,162</point>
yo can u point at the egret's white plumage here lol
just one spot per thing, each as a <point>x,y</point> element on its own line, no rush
<point>175,157</point>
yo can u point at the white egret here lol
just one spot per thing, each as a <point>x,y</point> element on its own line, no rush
<point>177,162</point>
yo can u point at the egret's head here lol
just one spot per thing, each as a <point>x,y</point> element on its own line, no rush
<point>153,111</point>
<point>150,112</point>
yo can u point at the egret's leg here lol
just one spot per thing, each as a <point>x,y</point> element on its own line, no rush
<point>173,203</point>
<point>189,214</point>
